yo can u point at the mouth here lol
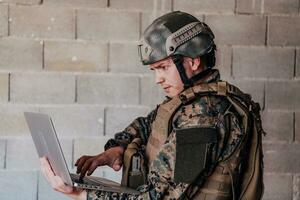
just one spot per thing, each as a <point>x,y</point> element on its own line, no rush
<point>166,88</point>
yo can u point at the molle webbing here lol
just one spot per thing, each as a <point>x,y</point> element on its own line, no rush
<point>220,88</point>
<point>161,127</point>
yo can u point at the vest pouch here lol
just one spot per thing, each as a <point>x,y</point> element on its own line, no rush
<point>136,176</point>
<point>191,152</point>
<point>134,166</point>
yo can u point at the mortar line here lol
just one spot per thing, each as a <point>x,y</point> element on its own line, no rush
<point>231,62</point>
<point>43,55</point>
<point>294,126</point>
<point>8,20</point>
<point>104,121</point>
<point>72,153</point>
<point>108,57</point>
<point>76,88</point>
<point>172,5</point>
<point>75,26</point>
<point>140,91</point>
<point>267,31</point>
<point>235,7</point>
<point>264,97</point>
<point>140,24</point>
<point>295,63</point>
<point>5,153</point>
<point>8,95</point>
<point>37,185</point>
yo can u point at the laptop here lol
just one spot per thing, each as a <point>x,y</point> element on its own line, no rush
<point>47,144</point>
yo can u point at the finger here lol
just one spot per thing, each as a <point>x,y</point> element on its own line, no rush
<point>46,169</point>
<point>60,186</point>
<point>85,167</point>
<point>77,161</point>
<point>81,162</point>
<point>92,168</point>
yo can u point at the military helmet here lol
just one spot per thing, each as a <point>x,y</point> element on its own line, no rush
<point>175,33</point>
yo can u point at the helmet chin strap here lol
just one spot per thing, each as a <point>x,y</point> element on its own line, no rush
<point>178,61</point>
<point>188,82</point>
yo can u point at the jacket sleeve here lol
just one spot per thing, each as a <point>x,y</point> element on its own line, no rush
<point>139,128</point>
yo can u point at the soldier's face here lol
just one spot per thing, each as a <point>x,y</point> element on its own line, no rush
<point>167,76</point>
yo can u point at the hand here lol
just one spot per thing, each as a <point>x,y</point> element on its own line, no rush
<point>112,157</point>
<point>58,184</point>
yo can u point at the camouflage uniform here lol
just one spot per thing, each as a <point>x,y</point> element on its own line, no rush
<point>205,111</point>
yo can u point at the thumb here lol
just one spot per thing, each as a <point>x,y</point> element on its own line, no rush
<point>117,164</point>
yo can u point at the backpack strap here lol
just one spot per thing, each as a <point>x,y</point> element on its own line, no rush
<point>221,88</point>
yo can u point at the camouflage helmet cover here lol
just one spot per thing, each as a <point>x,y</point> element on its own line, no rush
<point>175,33</point>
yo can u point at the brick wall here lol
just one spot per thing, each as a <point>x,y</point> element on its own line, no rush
<point>77,61</point>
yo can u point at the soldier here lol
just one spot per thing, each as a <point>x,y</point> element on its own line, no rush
<point>198,142</point>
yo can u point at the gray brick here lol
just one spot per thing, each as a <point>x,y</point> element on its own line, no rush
<point>4,87</point>
<point>77,3</point>
<point>253,87</point>
<point>279,125</point>
<point>249,6</point>
<point>75,56</point>
<point>262,62</point>
<point>25,2</point>
<point>143,5</point>
<point>278,186</point>
<point>123,57</point>
<point>93,24</point>
<point>284,30</point>
<point>223,61</point>
<point>18,185</point>
<point>89,146</point>
<point>205,6</point>
<point>12,121</point>
<point>3,20</point>
<point>297,126</point>
<point>108,89</point>
<point>76,120</point>
<point>283,94</point>
<point>278,158</point>
<point>118,118</point>
<point>296,188</point>
<point>46,88</point>
<point>19,54</point>
<point>22,155</point>
<point>46,192</point>
<point>239,29</point>
<point>151,93</point>
<point>281,6</point>
<point>42,22</point>
<point>2,153</point>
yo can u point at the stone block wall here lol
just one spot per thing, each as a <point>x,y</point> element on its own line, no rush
<point>77,61</point>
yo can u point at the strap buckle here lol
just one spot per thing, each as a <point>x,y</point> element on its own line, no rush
<point>222,88</point>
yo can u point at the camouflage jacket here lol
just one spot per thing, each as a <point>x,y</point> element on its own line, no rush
<point>205,111</point>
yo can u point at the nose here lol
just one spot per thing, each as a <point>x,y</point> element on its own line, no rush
<point>159,78</point>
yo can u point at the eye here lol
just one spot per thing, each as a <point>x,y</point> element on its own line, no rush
<point>164,67</point>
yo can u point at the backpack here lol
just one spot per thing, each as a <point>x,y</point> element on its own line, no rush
<point>251,187</point>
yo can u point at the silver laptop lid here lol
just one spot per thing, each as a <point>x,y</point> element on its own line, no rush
<point>47,144</point>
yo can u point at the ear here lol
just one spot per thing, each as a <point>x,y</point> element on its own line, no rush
<point>195,64</point>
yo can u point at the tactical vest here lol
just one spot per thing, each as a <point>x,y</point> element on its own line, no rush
<point>220,185</point>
